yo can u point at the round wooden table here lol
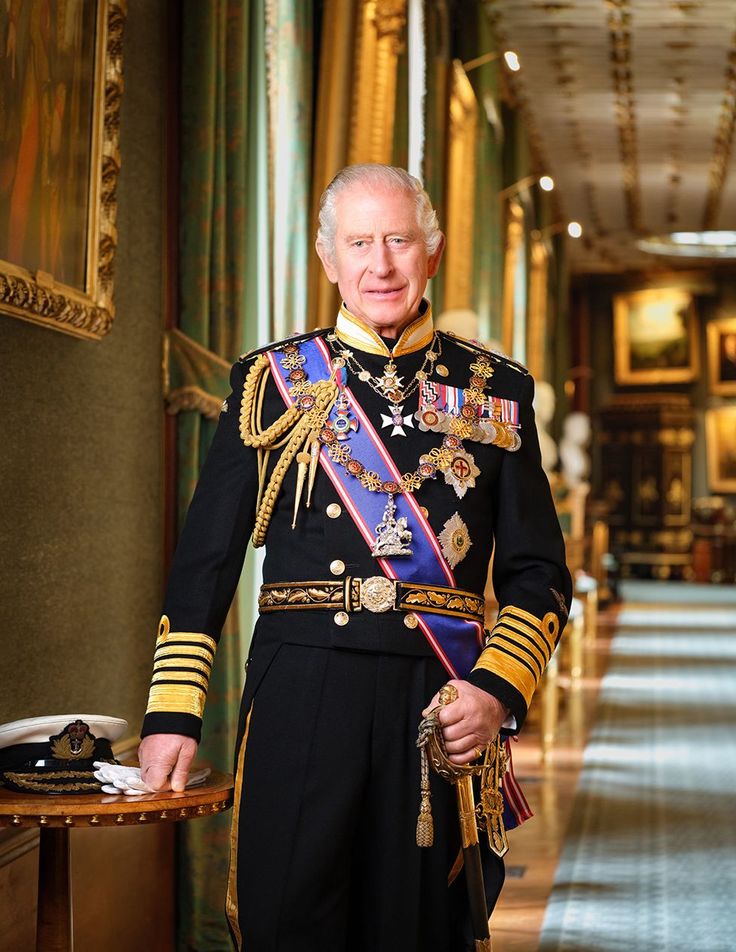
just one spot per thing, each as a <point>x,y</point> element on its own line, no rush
<point>56,815</point>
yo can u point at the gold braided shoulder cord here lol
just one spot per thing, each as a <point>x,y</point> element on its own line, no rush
<point>293,430</point>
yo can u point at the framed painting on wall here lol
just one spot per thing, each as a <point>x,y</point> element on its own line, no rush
<point>655,337</point>
<point>59,162</point>
<point>720,435</point>
<point>722,356</point>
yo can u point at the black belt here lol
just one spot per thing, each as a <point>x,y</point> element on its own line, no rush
<point>374,594</point>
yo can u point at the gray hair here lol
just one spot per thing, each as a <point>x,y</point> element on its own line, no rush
<point>386,176</point>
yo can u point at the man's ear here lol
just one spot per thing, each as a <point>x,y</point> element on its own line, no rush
<point>433,265</point>
<point>327,262</point>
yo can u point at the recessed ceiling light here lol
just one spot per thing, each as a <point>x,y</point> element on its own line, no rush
<point>512,61</point>
<point>575,229</point>
<point>547,183</point>
<point>691,244</point>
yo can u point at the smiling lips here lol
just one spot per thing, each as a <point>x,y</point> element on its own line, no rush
<point>384,292</point>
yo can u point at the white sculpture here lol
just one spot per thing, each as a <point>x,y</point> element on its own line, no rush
<point>575,461</point>
<point>544,410</point>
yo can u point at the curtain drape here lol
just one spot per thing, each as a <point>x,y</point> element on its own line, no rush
<point>245,146</point>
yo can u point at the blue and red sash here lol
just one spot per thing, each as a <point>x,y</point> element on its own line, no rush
<point>457,642</point>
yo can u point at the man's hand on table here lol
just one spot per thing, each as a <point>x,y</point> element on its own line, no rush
<point>470,722</point>
<point>165,760</point>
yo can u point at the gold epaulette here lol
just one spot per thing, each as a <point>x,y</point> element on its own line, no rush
<point>296,430</point>
<point>293,339</point>
<point>474,347</point>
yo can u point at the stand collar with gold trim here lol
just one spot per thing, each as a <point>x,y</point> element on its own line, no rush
<point>356,333</point>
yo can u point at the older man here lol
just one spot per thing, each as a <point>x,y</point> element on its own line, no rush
<point>378,461</point>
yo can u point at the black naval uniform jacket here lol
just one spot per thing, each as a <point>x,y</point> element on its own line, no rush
<point>510,505</point>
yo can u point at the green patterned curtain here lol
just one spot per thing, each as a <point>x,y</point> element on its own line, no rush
<point>488,239</point>
<point>245,121</point>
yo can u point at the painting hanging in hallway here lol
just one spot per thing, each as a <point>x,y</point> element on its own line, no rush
<point>655,337</point>
<point>722,356</point>
<point>60,87</point>
<point>720,433</point>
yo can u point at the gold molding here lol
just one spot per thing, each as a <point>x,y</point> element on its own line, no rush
<point>514,236</point>
<point>380,40</point>
<point>461,191</point>
<point>38,297</point>
<point>538,303</point>
<point>722,145</point>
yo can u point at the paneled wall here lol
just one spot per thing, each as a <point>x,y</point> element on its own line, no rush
<point>81,527</point>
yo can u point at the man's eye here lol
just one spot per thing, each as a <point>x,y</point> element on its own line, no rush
<point>359,243</point>
<point>398,241</point>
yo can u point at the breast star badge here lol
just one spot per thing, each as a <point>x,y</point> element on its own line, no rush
<point>397,420</point>
<point>454,540</point>
<point>461,471</point>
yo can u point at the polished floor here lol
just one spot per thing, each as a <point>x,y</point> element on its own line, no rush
<point>633,842</point>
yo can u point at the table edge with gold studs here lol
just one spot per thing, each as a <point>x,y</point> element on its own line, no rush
<point>56,815</point>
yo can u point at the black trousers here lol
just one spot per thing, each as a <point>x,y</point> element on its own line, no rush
<point>327,795</point>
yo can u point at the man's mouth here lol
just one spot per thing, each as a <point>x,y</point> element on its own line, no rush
<point>384,292</point>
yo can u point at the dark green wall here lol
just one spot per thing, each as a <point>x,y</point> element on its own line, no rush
<point>81,458</point>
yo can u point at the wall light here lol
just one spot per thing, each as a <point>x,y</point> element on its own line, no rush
<point>545,182</point>
<point>573,228</point>
<point>510,58</point>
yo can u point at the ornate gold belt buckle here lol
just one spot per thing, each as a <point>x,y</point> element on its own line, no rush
<point>378,593</point>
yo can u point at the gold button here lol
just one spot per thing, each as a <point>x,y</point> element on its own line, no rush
<point>334,510</point>
<point>411,620</point>
<point>337,567</point>
<point>341,619</point>
<point>442,370</point>
<point>425,511</point>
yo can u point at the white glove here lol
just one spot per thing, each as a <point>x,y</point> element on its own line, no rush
<point>117,779</point>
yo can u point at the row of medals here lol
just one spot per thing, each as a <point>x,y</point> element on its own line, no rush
<point>393,537</point>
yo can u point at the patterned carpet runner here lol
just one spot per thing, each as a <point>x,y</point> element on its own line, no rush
<point>649,863</point>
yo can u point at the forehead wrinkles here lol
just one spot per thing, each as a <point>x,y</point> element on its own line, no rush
<point>365,211</point>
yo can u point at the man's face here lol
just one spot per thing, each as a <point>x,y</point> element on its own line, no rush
<point>381,264</point>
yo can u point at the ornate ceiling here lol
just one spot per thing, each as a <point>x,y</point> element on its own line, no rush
<point>631,107</point>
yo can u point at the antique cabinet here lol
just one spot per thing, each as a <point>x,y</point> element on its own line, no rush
<point>645,476</point>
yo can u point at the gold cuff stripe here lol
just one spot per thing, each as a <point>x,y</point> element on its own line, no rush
<point>188,637</point>
<point>518,673</point>
<point>176,699</point>
<point>182,662</point>
<point>519,649</point>
<point>534,638</point>
<point>548,626</point>
<point>179,675</point>
<point>178,651</point>
<point>523,615</point>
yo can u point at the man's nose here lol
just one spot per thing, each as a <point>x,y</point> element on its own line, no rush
<point>380,259</point>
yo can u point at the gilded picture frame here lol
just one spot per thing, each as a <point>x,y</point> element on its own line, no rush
<point>721,335</point>
<point>60,144</point>
<point>720,437</point>
<point>655,337</point>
